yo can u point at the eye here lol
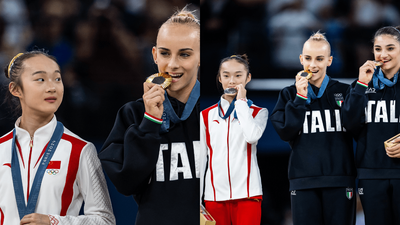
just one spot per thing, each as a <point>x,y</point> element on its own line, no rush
<point>40,79</point>
<point>307,58</point>
<point>377,49</point>
<point>185,55</point>
<point>58,79</point>
<point>320,59</point>
<point>390,48</point>
<point>164,53</point>
<point>238,75</point>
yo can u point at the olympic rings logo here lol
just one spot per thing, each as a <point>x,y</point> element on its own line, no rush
<point>52,171</point>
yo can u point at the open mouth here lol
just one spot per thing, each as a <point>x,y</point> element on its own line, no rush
<point>386,61</point>
<point>177,75</point>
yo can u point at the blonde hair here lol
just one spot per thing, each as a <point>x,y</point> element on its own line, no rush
<point>185,17</point>
<point>320,37</point>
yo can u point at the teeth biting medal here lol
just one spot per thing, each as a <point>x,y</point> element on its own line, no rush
<point>378,63</point>
<point>162,79</point>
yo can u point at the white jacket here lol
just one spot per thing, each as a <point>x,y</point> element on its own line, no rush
<point>230,146</point>
<point>74,175</point>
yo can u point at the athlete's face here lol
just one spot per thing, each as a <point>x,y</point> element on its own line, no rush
<point>316,58</point>
<point>42,89</point>
<point>387,51</point>
<point>233,73</point>
<point>178,53</point>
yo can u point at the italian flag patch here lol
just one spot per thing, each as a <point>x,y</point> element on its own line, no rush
<point>339,103</point>
<point>349,193</point>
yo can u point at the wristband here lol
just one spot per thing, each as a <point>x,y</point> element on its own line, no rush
<point>362,84</point>
<point>301,96</point>
<point>152,118</point>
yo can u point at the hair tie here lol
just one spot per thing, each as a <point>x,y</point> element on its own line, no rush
<point>396,29</point>
<point>233,56</point>
<point>12,63</point>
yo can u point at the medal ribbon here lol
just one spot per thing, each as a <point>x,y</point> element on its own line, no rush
<point>230,109</point>
<point>169,113</point>
<point>380,81</point>
<point>310,93</point>
<point>25,209</point>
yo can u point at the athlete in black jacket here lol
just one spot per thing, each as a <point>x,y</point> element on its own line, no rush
<point>321,165</point>
<point>371,113</point>
<point>151,152</point>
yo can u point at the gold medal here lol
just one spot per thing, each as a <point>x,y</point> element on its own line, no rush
<point>305,73</point>
<point>162,79</point>
<point>378,63</point>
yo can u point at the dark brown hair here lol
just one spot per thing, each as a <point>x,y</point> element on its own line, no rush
<point>242,59</point>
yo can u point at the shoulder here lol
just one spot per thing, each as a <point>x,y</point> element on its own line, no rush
<point>257,110</point>
<point>6,137</point>
<point>207,110</point>
<point>337,86</point>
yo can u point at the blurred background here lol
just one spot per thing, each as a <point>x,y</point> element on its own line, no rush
<point>272,33</point>
<point>104,50</point>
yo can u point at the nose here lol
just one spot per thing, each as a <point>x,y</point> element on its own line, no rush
<point>173,63</point>
<point>51,87</point>
<point>232,79</point>
<point>384,54</point>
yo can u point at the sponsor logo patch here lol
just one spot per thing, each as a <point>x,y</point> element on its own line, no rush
<point>370,90</point>
<point>293,192</point>
<point>361,191</point>
<point>339,99</point>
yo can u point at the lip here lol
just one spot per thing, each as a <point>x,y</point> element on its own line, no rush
<point>50,99</point>
<point>178,76</point>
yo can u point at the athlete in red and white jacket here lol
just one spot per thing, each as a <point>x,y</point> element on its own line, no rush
<point>46,171</point>
<point>73,175</point>
<point>229,133</point>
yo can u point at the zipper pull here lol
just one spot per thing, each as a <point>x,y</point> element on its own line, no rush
<point>31,143</point>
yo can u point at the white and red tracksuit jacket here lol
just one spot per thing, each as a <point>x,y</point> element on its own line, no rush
<point>74,175</point>
<point>230,146</point>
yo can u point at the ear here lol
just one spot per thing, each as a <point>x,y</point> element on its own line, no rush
<point>154,52</point>
<point>219,79</point>
<point>14,90</point>
<point>301,59</point>
<point>248,79</point>
<point>330,60</point>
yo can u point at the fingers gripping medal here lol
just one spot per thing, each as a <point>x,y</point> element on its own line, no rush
<point>305,73</point>
<point>162,79</point>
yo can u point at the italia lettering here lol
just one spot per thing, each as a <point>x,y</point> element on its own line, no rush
<point>320,124</point>
<point>380,112</point>
<point>178,151</point>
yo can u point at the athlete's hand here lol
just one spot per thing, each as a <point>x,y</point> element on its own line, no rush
<point>153,99</point>
<point>394,151</point>
<point>301,85</point>
<point>366,71</point>
<point>35,219</point>
<point>241,91</point>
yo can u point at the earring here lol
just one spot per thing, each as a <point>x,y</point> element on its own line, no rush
<point>155,61</point>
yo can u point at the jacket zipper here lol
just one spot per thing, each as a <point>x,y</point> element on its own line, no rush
<point>229,173</point>
<point>29,169</point>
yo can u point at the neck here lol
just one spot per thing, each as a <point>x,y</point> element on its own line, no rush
<point>229,98</point>
<point>317,83</point>
<point>31,123</point>
<point>183,94</point>
<point>389,74</point>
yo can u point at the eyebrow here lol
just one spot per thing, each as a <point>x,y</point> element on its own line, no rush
<point>38,72</point>
<point>239,71</point>
<point>316,57</point>
<point>182,49</point>
<point>389,45</point>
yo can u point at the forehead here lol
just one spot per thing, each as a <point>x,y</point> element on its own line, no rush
<point>178,36</point>
<point>316,48</point>
<point>386,39</point>
<point>40,63</point>
<point>232,65</point>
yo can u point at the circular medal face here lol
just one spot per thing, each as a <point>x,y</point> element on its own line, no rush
<point>162,79</point>
<point>230,91</point>
<point>305,73</point>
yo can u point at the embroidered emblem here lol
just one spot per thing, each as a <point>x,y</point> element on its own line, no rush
<point>293,192</point>
<point>370,90</point>
<point>339,99</point>
<point>53,220</point>
<point>361,191</point>
<point>349,193</point>
<point>52,171</point>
